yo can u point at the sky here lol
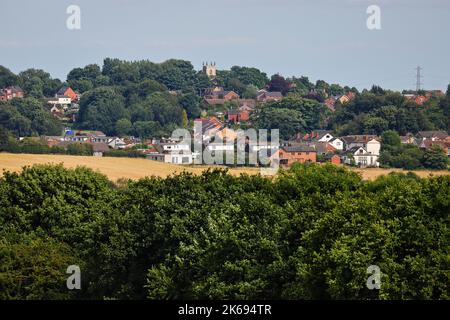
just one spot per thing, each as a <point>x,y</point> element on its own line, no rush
<point>320,39</point>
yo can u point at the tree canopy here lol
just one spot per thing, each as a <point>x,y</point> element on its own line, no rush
<point>309,233</point>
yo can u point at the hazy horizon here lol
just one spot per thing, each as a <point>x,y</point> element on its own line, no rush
<point>321,39</point>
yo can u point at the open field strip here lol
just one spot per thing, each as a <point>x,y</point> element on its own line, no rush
<point>116,168</point>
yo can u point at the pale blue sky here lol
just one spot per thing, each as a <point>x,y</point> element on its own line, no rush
<point>322,39</point>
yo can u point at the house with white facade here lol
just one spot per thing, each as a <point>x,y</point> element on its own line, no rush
<point>182,157</point>
<point>364,151</point>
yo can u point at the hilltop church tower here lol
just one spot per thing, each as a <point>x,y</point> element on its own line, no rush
<point>210,69</point>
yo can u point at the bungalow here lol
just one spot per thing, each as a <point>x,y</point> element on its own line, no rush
<point>99,149</point>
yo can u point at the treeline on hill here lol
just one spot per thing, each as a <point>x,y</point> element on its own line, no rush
<point>147,99</point>
<point>377,110</point>
<point>309,233</point>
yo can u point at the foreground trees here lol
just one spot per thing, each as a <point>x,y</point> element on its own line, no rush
<point>309,233</point>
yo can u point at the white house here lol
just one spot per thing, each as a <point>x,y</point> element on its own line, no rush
<point>373,147</point>
<point>362,158</point>
<point>362,141</point>
<point>169,147</point>
<point>183,157</point>
<point>337,143</point>
<point>117,143</point>
<point>220,147</point>
<point>60,101</point>
<point>325,137</point>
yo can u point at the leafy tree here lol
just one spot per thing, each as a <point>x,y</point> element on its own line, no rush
<point>123,127</point>
<point>313,113</point>
<point>100,109</point>
<point>7,78</point>
<point>288,121</point>
<point>435,158</point>
<point>35,269</point>
<point>278,83</point>
<point>191,103</point>
<point>390,139</point>
<point>38,83</point>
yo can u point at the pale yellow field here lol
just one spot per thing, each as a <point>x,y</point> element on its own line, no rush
<point>116,168</point>
<point>373,173</point>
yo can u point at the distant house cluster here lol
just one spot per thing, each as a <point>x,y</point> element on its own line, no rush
<point>330,102</point>
<point>64,105</point>
<point>359,150</point>
<point>10,93</point>
<point>427,139</point>
<point>97,139</point>
<point>420,99</point>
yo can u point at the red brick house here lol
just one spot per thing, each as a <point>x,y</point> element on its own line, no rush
<point>10,93</point>
<point>300,153</point>
<point>238,116</point>
<point>335,159</point>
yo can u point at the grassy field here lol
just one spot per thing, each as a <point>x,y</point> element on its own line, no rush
<point>116,168</point>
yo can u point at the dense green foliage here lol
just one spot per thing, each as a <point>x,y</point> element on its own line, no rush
<point>292,115</point>
<point>28,117</point>
<point>410,157</point>
<point>309,233</point>
<point>38,146</point>
<point>374,113</point>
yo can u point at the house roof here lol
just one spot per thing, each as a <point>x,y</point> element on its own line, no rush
<point>359,138</point>
<point>62,91</point>
<point>433,134</point>
<point>322,147</point>
<point>427,144</point>
<point>270,94</point>
<point>100,147</point>
<point>14,89</point>
<point>299,148</point>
